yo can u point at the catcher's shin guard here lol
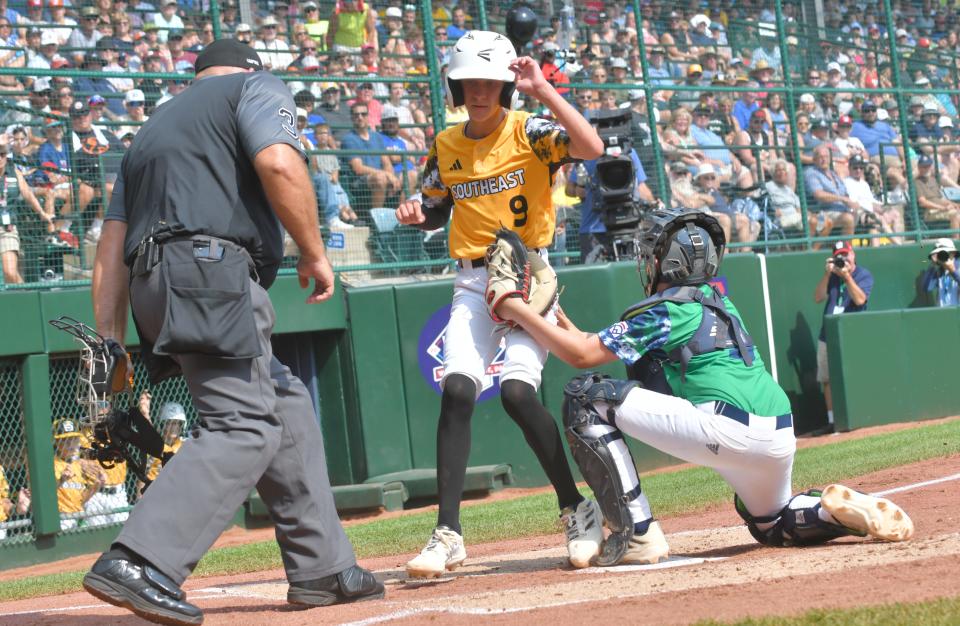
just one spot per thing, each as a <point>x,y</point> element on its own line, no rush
<point>590,436</point>
<point>798,524</point>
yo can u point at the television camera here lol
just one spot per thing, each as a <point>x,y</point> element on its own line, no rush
<point>615,196</point>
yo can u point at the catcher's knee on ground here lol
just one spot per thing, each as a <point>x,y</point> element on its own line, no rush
<point>800,523</point>
<point>603,458</point>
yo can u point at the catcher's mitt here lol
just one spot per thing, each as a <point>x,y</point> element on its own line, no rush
<point>512,273</point>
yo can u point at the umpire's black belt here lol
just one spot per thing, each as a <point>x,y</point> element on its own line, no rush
<point>482,261</point>
<point>739,415</point>
<point>149,253</point>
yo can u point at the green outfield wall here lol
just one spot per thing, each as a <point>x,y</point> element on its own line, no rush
<point>372,357</point>
<point>909,354</point>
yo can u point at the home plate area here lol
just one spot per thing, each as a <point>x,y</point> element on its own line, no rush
<point>540,579</point>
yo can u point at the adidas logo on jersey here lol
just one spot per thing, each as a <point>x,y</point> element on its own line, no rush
<point>456,166</point>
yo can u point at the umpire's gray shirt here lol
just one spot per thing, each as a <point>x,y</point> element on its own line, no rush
<point>192,164</point>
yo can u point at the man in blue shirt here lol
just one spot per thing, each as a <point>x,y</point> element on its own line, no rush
<point>594,240</point>
<point>746,105</point>
<point>403,165</point>
<point>927,130</point>
<point>831,204</point>
<point>941,280</point>
<point>368,175</point>
<point>872,133</point>
<point>846,287</point>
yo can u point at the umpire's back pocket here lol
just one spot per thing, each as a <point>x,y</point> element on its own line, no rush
<point>209,310</point>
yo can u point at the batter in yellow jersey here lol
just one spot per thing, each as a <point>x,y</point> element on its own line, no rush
<point>503,178</point>
<point>496,170</point>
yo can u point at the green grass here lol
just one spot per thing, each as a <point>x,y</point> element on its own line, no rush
<point>670,494</point>
<point>945,612</point>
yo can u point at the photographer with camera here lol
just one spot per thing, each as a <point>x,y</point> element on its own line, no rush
<point>941,281</point>
<point>846,288</point>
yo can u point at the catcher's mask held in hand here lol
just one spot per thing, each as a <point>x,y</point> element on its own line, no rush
<point>105,370</point>
<point>514,273</point>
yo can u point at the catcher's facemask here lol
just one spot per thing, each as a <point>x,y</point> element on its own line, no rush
<point>104,371</point>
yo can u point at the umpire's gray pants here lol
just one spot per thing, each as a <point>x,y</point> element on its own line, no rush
<point>257,428</point>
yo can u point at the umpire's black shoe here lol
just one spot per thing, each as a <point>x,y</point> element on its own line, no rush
<point>143,590</point>
<point>353,584</point>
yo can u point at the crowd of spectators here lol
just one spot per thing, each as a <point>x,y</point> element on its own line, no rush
<point>761,147</point>
<point>752,142</point>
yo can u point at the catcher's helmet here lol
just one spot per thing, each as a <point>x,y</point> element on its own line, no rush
<point>172,411</point>
<point>680,247</point>
<point>481,54</point>
<point>521,24</point>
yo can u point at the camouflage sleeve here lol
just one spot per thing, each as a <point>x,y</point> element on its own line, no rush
<point>549,140</point>
<point>437,199</point>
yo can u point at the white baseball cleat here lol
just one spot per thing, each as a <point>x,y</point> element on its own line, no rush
<point>878,517</point>
<point>648,548</point>
<point>444,551</point>
<point>584,529</point>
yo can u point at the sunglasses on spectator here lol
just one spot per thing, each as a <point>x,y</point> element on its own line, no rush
<point>135,103</point>
<point>359,114</point>
<point>309,49</point>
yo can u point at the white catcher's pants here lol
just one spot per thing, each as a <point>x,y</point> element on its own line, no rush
<point>472,339</point>
<point>756,460</point>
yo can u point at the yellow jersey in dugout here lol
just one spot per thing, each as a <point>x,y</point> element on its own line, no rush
<point>116,475</point>
<point>4,494</point>
<point>504,178</point>
<point>70,492</point>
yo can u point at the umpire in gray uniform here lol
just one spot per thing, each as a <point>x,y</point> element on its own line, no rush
<point>192,239</point>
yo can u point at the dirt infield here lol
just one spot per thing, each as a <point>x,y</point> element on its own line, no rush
<point>716,571</point>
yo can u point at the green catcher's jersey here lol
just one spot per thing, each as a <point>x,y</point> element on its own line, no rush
<point>719,375</point>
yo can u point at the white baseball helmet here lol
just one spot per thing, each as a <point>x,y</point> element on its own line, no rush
<point>481,54</point>
<point>173,411</point>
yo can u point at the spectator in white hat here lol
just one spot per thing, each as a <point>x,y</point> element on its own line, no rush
<point>49,44</point>
<point>941,281</point>
<point>274,52</point>
<point>134,102</point>
<point>167,19</point>
<point>244,33</point>
<point>317,28</point>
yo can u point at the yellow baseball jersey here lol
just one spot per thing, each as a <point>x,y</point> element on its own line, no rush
<point>4,493</point>
<point>116,475</point>
<point>70,493</point>
<point>504,179</point>
<point>153,468</point>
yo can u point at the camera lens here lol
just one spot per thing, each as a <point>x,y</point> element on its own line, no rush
<point>839,262</point>
<point>49,275</point>
<point>943,256</point>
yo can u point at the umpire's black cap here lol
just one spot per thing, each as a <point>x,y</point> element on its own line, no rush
<point>228,52</point>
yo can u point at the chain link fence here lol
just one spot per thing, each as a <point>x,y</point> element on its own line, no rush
<point>107,505</point>
<point>15,525</point>
<point>369,108</point>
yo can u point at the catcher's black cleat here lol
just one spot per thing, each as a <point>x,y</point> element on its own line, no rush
<point>143,590</point>
<point>353,584</point>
